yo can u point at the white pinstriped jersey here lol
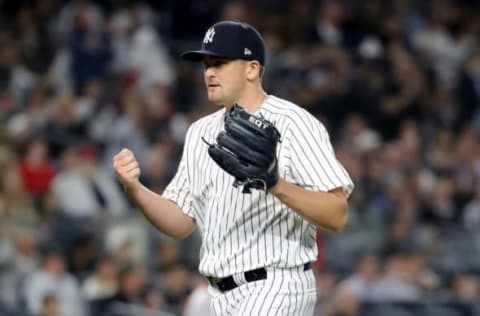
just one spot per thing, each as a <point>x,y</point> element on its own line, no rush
<point>241,232</point>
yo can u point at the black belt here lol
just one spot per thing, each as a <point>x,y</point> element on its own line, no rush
<point>228,283</point>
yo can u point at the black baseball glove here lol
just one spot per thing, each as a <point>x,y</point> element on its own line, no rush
<point>247,150</point>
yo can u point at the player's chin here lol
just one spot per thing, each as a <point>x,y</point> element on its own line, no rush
<point>215,99</point>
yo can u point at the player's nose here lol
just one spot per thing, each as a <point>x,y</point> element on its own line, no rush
<point>209,71</point>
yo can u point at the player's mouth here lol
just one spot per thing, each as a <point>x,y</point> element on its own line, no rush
<point>213,85</point>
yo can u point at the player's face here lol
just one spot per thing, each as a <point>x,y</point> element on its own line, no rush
<point>224,79</point>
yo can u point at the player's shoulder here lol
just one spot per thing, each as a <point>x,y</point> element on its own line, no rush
<point>291,111</point>
<point>209,119</point>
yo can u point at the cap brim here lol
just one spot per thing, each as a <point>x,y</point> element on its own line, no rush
<point>197,55</point>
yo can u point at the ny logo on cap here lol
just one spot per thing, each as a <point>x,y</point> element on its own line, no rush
<point>209,35</point>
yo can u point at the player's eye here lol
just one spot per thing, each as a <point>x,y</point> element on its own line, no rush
<point>215,63</point>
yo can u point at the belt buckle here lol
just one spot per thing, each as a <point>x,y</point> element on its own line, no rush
<point>214,281</point>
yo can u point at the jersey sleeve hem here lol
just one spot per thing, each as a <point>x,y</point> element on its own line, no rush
<point>186,208</point>
<point>347,188</point>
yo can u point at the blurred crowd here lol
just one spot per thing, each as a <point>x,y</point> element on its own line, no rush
<point>397,83</point>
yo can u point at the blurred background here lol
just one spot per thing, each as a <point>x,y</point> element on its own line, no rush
<point>397,83</point>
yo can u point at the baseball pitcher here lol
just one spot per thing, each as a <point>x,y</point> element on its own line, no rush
<point>257,177</point>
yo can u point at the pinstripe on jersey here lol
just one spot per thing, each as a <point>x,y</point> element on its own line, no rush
<point>242,232</point>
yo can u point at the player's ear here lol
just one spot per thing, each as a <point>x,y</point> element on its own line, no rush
<point>253,70</point>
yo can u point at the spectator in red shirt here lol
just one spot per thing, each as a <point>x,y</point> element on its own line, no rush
<point>35,168</point>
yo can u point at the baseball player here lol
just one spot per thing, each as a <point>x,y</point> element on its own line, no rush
<point>257,178</point>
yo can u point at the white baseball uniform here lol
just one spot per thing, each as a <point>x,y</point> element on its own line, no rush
<point>242,232</point>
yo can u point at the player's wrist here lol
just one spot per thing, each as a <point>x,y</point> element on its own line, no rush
<point>131,187</point>
<point>278,187</point>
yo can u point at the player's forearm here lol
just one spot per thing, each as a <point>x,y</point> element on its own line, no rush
<point>326,210</point>
<point>162,213</point>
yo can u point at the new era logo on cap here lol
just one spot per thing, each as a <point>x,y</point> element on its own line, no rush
<point>230,39</point>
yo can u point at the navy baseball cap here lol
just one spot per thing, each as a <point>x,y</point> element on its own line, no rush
<point>229,39</point>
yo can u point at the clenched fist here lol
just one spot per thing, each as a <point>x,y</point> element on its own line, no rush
<point>126,167</point>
